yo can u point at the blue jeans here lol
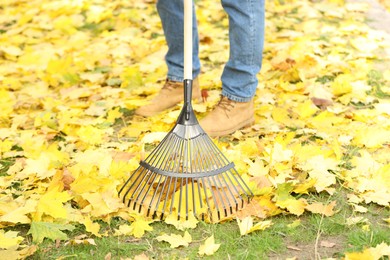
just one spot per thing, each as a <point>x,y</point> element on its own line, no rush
<point>246,38</point>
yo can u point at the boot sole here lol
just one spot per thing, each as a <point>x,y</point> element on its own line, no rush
<point>243,124</point>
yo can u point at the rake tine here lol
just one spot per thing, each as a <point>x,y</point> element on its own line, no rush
<point>231,193</point>
<point>126,183</point>
<point>198,169</point>
<point>209,162</point>
<point>207,201</point>
<point>141,189</point>
<point>162,158</point>
<point>154,194</point>
<point>134,183</point>
<point>152,155</point>
<point>166,198</point>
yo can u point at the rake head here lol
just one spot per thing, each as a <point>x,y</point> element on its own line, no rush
<point>186,174</point>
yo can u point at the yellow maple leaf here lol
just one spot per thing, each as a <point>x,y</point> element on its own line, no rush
<point>297,207</point>
<point>60,66</point>
<point>101,204</point>
<point>280,115</point>
<point>209,247</point>
<point>7,101</point>
<point>372,137</point>
<point>98,13</point>
<point>342,85</point>
<point>372,253</point>
<point>154,137</point>
<point>9,239</point>
<point>120,169</point>
<point>40,167</point>
<point>5,145</point>
<point>124,230</point>
<point>183,223</point>
<point>176,240</point>
<point>303,188</point>
<point>91,135</point>
<point>306,109</point>
<point>92,227</point>
<point>364,44</point>
<point>278,153</point>
<point>139,226</point>
<point>246,225</point>
<point>13,252</point>
<point>113,114</point>
<point>51,204</point>
<point>257,167</point>
<point>248,147</point>
<point>65,24</point>
<point>318,168</point>
<point>20,212</point>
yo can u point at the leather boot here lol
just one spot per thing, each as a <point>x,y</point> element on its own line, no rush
<point>170,95</point>
<point>227,117</point>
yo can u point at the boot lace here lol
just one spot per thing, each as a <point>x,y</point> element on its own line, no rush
<point>171,85</point>
<point>226,104</point>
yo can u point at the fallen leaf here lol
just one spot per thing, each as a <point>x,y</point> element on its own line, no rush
<point>209,247</point>
<point>182,223</point>
<point>370,253</point>
<point>176,240</point>
<point>139,226</point>
<point>108,256</point>
<point>327,244</point>
<point>53,231</point>
<point>246,225</point>
<point>9,239</point>
<point>142,256</point>
<point>326,210</point>
<point>294,248</point>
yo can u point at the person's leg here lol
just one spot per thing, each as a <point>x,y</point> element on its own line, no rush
<point>171,13</point>
<point>239,78</point>
<point>172,17</point>
<point>246,38</point>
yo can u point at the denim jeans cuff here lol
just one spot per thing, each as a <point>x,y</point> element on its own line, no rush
<point>179,79</point>
<point>236,98</point>
<point>174,78</point>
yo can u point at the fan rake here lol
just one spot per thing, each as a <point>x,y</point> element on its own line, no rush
<point>186,173</point>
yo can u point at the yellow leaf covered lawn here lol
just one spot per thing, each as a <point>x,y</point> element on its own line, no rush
<point>72,72</point>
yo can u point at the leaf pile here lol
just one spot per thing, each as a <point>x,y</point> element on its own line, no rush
<point>72,72</point>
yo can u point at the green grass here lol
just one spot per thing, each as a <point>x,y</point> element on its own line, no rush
<point>258,245</point>
<point>255,246</point>
<point>4,165</point>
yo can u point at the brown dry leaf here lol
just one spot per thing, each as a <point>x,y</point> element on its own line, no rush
<point>107,256</point>
<point>67,179</point>
<point>294,248</point>
<point>142,256</point>
<point>327,244</point>
<point>322,103</point>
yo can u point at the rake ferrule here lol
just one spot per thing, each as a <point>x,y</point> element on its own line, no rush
<point>187,115</point>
